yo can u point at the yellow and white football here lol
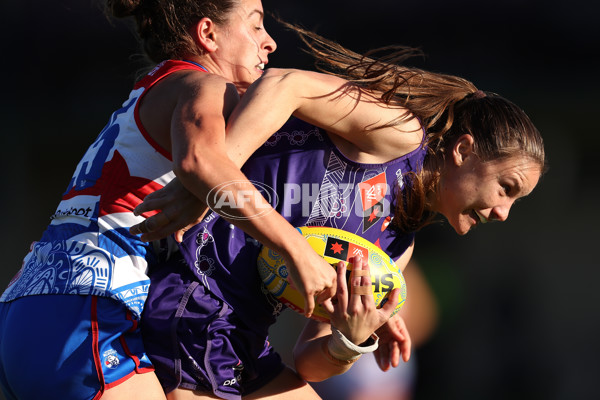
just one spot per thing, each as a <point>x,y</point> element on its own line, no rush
<point>334,245</point>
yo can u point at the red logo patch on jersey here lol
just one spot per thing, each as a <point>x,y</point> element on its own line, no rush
<point>372,192</point>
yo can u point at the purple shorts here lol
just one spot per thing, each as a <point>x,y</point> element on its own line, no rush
<point>196,341</point>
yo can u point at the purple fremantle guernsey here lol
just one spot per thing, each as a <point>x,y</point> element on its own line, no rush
<point>311,183</point>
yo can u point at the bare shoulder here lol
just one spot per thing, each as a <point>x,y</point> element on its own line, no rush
<point>185,83</point>
<point>408,137</point>
<point>195,83</point>
<point>205,93</point>
<point>412,133</point>
<point>187,92</point>
<point>391,141</point>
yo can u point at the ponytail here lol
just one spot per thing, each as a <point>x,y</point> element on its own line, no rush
<point>446,105</point>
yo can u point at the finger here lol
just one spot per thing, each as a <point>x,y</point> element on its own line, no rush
<point>382,355</point>
<point>158,222</point>
<point>394,356</point>
<point>406,350</point>
<point>390,305</point>
<point>179,234</point>
<point>368,299</point>
<point>137,228</point>
<point>164,232</point>
<point>309,305</point>
<point>342,286</point>
<point>154,223</point>
<point>152,201</point>
<point>290,282</point>
<point>406,344</point>
<point>142,227</point>
<point>361,290</point>
<point>356,272</point>
<point>326,294</point>
<point>329,291</point>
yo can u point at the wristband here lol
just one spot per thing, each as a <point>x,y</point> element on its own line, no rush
<point>332,359</point>
<point>342,349</point>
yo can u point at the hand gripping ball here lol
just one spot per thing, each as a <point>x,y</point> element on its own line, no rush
<point>334,245</point>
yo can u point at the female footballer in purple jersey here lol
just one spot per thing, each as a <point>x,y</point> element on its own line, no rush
<point>482,154</point>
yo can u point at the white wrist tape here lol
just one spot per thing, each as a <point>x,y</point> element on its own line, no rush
<point>343,349</point>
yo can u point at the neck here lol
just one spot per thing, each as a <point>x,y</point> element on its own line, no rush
<point>205,61</point>
<point>430,179</point>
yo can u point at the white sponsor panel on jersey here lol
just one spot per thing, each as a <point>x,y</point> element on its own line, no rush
<point>77,210</point>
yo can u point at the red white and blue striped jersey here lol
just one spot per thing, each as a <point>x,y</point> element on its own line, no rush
<point>87,248</point>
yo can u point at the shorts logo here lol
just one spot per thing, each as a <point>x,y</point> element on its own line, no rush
<point>237,371</point>
<point>110,359</point>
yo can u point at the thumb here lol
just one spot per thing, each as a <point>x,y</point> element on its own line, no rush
<point>328,306</point>
<point>390,305</point>
<point>181,232</point>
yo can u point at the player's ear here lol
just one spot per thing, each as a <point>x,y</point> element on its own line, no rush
<point>462,149</point>
<point>204,34</point>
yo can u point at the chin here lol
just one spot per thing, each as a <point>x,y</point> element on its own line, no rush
<point>462,232</point>
<point>461,229</point>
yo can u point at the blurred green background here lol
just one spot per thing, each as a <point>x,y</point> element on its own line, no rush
<point>519,314</point>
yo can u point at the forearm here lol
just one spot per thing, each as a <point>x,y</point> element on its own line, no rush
<point>219,182</point>
<point>322,351</point>
<point>314,363</point>
<point>202,164</point>
<point>264,108</point>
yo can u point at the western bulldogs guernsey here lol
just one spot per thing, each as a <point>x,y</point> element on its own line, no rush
<point>87,248</point>
<point>310,183</point>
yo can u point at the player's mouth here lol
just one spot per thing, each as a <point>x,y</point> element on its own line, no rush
<point>261,66</point>
<point>478,217</point>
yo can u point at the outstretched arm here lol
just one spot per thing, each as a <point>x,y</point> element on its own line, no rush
<point>331,103</point>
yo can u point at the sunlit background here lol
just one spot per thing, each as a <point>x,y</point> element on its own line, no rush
<point>519,314</point>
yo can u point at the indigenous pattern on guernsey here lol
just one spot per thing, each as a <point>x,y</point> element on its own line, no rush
<point>316,185</point>
<point>87,248</point>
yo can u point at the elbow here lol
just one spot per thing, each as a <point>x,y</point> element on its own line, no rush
<point>307,370</point>
<point>192,168</point>
<point>185,167</point>
<point>307,375</point>
<point>310,374</point>
<point>300,366</point>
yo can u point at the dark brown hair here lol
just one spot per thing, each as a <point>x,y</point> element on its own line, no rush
<point>448,106</point>
<point>163,25</point>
